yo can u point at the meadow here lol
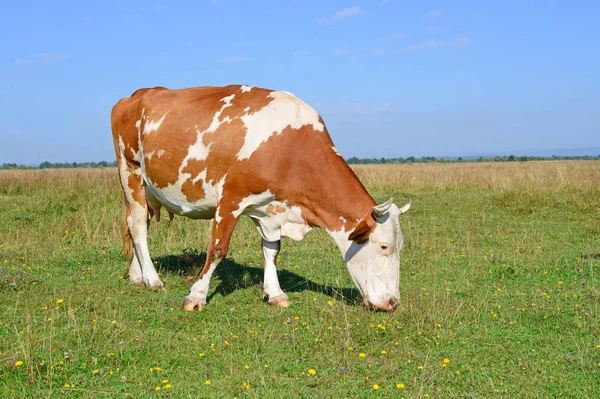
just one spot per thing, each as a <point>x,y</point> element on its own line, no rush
<point>499,295</point>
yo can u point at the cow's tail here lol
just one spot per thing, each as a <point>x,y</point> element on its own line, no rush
<point>126,234</point>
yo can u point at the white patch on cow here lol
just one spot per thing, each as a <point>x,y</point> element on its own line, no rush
<point>123,172</point>
<point>200,176</point>
<point>135,271</point>
<point>160,153</point>
<point>343,219</point>
<point>254,200</point>
<point>217,241</point>
<point>199,290</point>
<point>198,150</point>
<point>135,155</point>
<point>176,202</point>
<point>138,124</point>
<point>246,109</point>
<point>153,126</point>
<point>246,88</point>
<point>283,111</point>
<point>336,151</point>
<point>294,225</point>
<point>272,226</point>
<point>150,155</point>
<point>271,282</point>
<point>216,122</point>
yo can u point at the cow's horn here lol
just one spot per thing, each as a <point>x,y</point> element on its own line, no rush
<point>380,210</point>
<point>406,207</point>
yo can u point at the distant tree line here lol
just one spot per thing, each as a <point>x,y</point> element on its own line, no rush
<point>353,160</point>
<point>60,165</point>
<point>497,158</point>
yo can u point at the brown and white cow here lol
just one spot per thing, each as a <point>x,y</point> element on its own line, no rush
<point>224,152</point>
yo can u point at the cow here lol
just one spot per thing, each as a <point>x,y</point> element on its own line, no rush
<point>223,152</point>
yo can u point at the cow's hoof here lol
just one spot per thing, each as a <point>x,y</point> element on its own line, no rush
<point>155,285</point>
<point>280,301</point>
<point>190,304</point>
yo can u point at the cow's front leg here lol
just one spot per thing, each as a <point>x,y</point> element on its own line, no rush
<point>271,283</point>
<point>217,250</point>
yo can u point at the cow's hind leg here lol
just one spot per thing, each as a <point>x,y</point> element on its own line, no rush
<point>135,268</point>
<point>137,222</point>
<point>271,283</point>
<point>217,250</point>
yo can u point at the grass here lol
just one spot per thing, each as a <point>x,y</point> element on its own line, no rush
<point>499,295</point>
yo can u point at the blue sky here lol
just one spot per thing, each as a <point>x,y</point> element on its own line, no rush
<point>391,78</point>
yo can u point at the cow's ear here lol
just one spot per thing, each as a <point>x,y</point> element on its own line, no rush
<point>363,229</point>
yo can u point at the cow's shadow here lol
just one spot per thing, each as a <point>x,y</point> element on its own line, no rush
<point>233,276</point>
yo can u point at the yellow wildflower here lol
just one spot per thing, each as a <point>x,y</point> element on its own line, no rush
<point>375,387</point>
<point>312,371</point>
<point>18,363</point>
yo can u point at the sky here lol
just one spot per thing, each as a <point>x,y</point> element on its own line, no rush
<point>390,77</point>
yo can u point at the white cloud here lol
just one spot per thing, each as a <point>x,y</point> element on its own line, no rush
<point>437,28</point>
<point>340,51</point>
<point>23,62</point>
<point>233,60</point>
<point>377,51</point>
<point>41,57</point>
<point>51,56</point>
<point>434,14</point>
<point>460,41</point>
<point>393,36</point>
<point>342,14</point>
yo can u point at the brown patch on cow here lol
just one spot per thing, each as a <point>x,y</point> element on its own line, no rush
<point>275,209</point>
<point>253,100</point>
<point>134,182</point>
<point>315,179</point>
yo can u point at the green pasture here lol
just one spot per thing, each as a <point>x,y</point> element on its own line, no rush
<point>499,295</point>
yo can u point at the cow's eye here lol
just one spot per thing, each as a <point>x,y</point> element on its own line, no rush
<point>383,247</point>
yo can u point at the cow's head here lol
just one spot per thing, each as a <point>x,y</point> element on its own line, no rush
<point>373,257</point>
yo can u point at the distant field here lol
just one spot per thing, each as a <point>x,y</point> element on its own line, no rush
<point>499,295</point>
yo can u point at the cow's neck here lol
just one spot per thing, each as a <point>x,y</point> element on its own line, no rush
<point>337,202</point>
